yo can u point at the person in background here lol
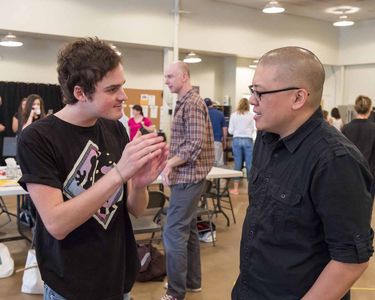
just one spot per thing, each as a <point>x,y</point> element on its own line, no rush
<point>124,121</point>
<point>2,126</point>
<point>361,130</point>
<point>191,158</point>
<point>307,232</point>
<point>2,129</point>
<point>220,129</point>
<point>85,177</point>
<point>137,121</point>
<point>17,117</point>
<point>335,119</point>
<point>326,116</point>
<point>242,127</point>
<point>34,110</point>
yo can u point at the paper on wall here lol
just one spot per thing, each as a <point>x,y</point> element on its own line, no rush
<point>145,110</point>
<point>153,111</point>
<point>151,100</point>
<point>144,99</point>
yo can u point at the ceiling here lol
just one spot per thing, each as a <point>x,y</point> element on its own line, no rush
<point>315,8</point>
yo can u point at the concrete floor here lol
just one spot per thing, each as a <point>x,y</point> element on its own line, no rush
<point>219,264</point>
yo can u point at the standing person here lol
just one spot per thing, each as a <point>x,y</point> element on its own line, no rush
<point>336,120</point>
<point>361,131</point>
<point>137,121</point>
<point>2,129</point>
<point>220,130</point>
<point>124,121</point>
<point>17,117</point>
<point>241,126</point>
<point>84,177</point>
<point>307,233</point>
<point>190,160</point>
<point>34,110</point>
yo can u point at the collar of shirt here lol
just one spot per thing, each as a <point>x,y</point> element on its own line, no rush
<point>292,141</point>
<point>182,100</point>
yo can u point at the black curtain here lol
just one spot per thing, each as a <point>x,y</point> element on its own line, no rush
<point>12,94</point>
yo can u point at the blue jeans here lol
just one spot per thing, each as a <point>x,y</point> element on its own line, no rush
<point>243,152</point>
<point>181,241</point>
<point>50,294</point>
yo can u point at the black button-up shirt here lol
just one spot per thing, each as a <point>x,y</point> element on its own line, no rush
<point>310,202</point>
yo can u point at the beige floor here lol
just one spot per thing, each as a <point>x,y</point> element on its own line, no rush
<point>219,265</point>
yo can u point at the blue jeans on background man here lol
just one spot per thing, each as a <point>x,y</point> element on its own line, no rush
<point>50,294</point>
<point>242,148</point>
<point>181,241</point>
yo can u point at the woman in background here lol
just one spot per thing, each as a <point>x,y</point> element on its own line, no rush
<point>242,127</point>
<point>336,120</point>
<point>34,110</point>
<point>17,117</point>
<point>361,131</point>
<point>137,121</point>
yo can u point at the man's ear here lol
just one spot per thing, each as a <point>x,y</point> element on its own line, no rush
<point>79,94</point>
<point>300,99</point>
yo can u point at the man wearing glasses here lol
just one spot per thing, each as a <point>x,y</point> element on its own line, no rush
<point>307,231</point>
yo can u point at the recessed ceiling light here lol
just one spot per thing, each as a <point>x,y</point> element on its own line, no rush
<point>273,7</point>
<point>192,58</point>
<point>338,10</point>
<point>10,40</point>
<point>343,22</point>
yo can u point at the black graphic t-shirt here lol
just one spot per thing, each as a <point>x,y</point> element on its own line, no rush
<point>98,259</point>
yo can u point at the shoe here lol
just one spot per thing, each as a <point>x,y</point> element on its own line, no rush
<point>197,290</point>
<point>168,297</point>
<point>234,192</point>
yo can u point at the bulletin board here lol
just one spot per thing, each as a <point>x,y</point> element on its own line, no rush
<point>150,100</point>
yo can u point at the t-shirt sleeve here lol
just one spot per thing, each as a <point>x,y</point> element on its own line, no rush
<point>147,122</point>
<point>344,202</point>
<point>35,156</point>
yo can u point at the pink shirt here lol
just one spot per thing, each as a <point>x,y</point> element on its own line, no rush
<point>134,126</point>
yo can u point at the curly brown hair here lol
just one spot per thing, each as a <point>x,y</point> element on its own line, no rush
<point>84,62</point>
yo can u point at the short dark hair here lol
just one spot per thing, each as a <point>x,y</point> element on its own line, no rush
<point>208,101</point>
<point>138,108</point>
<point>362,104</point>
<point>84,62</point>
<point>335,113</point>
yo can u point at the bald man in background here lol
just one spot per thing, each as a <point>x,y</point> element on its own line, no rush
<point>191,158</point>
<point>307,231</point>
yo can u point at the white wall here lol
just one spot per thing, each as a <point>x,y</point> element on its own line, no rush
<point>211,27</point>
<point>209,76</point>
<point>246,32</point>
<point>357,44</point>
<point>359,80</point>
<point>147,22</point>
<point>36,62</point>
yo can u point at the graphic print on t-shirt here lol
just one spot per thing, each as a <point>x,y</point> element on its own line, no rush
<point>90,166</point>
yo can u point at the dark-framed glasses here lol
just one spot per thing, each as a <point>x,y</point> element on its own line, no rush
<point>257,95</point>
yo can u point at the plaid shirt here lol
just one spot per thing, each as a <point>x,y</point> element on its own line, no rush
<point>191,140</point>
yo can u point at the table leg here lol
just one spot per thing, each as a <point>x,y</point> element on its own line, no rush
<point>21,235</point>
<point>218,198</point>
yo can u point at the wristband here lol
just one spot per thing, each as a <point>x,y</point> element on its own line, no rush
<point>119,173</point>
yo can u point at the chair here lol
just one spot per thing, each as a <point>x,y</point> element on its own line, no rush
<point>9,150</point>
<point>203,210</point>
<point>150,222</point>
<point>10,146</point>
<point>4,210</point>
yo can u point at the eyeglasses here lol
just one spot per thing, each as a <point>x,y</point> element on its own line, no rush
<point>257,95</point>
